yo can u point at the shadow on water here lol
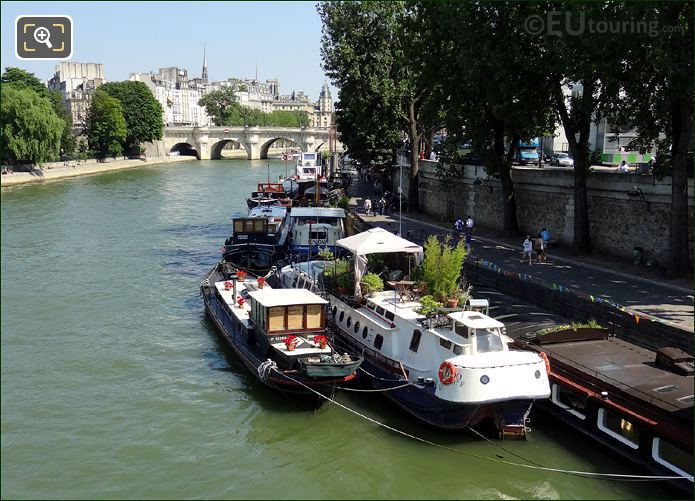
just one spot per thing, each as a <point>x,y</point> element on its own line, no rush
<point>221,357</point>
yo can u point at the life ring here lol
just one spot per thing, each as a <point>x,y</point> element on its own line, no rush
<point>547,362</point>
<point>449,367</point>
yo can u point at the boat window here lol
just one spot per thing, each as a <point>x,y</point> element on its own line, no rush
<point>249,226</point>
<point>295,317</point>
<point>349,321</point>
<point>672,457</point>
<point>357,327</point>
<point>571,401</point>
<point>380,310</point>
<point>444,343</point>
<point>341,317</point>
<point>258,226</point>
<point>389,315</point>
<point>487,341</point>
<point>458,349</point>
<point>276,319</point>
<point>300,283</point>
<point>335,308</point>
<point>238,226</point>
<point>365,332</point>
<point>378,341</point>
<point>271,229</point>
<point>318,235</point>
<point>620,428</point>
<point>461,329</point>
<point>371,306</point>
<point>313,316</point>
<point>415,340</point>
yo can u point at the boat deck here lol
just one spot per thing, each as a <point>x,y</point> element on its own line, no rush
<point>612,362</point>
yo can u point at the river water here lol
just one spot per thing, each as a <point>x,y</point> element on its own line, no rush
<point>115,385</point>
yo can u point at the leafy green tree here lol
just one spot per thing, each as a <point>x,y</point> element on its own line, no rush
<point>22,79</point>
<point>31,130</point>
<point>468,37</point>
<point>656,80</point>
<point>376,54</point>
<point>219,104</point>
<point>141,110</point>
<point>106,125</point>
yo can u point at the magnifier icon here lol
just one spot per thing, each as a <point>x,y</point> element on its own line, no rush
<point>42,35</point>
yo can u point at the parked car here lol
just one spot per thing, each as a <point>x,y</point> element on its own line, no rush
<point>562,160</point>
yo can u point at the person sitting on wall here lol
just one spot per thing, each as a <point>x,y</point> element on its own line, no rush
<point>623,167</point>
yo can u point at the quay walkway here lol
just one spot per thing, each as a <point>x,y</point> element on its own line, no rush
<point>639,289</point>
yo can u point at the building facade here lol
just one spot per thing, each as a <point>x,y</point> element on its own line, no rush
<point>76,83</point>
<point>178,95</point>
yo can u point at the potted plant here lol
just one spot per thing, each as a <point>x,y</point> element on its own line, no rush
<point>428,307</point>
<point>261,282</point>
<point>321,341</point>
<point>291,342</point>
<point>374,283</point>
<point>344,282</point>
<point>442,268</point>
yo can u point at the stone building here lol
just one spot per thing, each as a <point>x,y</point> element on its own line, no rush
<point>323,111</point>
<point>76,83</point>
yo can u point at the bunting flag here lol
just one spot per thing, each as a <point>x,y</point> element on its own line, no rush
<point>636,318</point>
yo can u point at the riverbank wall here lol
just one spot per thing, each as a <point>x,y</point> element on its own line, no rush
<point>58,170</point>
<point>626,210</point>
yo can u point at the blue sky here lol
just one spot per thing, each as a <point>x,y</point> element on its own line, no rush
<point>282,37</point>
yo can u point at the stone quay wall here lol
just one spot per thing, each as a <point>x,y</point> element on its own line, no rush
<point>619,221</point>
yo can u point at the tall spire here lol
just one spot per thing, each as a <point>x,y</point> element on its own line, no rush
<point>204,76</point>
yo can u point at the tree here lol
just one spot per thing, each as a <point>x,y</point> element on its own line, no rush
<point>656,84</point>
<point>219,104</point>
<point>375,53</point>
<point>467,36</point>
<point>141,110</point>
<point>106,125</point>
<point>31,130</point>
<point>23,80</point>
<point>20,79</point>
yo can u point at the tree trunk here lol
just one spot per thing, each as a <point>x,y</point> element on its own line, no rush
<point>503,161</point>
<point>581,239</point>
<point>679,252</point>
<point>413,191</point>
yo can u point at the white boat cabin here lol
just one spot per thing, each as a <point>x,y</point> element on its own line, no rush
<point>308,166</point>
<point>313,228</point>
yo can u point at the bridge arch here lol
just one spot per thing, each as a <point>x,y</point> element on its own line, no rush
<point>266,146</point>
<point>216,148</point>
<point>185,149</point>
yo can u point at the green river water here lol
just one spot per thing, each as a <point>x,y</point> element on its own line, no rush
<point>115,385</point>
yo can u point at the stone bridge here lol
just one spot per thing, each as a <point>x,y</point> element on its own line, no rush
<point>209,141</point>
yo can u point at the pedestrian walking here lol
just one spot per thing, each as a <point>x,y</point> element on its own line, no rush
<point>367,207</point>
<point>382,205</point>
<point>458,225</point>
<point>469,240</point>
<point>469,223</point>
<point>539,247</point>
<point>527,247</point>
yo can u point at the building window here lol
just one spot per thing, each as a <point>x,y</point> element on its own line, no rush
<point>378,341</point>
<point>619,428</point>
<point>415,340</point>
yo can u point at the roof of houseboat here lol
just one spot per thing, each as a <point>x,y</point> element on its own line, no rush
<point>268,211</point>
<point>317,212</point>
<point>285,297</point>
<point>475,320</point>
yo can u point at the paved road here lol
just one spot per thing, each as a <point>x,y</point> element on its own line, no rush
<point>638,288</point>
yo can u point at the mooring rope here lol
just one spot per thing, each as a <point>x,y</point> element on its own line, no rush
<point>589,474</point>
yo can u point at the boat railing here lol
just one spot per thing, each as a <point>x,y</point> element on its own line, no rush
<point>598,388</point>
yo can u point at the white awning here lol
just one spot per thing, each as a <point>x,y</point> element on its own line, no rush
<point>376,241</point>
<point>268,297</point>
